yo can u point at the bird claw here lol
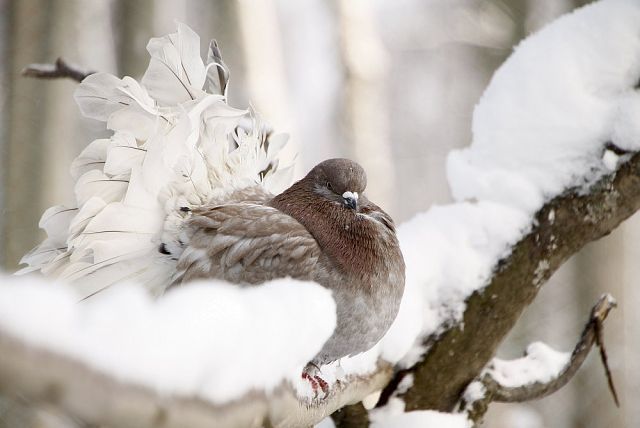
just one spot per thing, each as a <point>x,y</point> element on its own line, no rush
<point>317,383</point>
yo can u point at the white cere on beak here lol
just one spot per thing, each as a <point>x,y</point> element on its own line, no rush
<point>353,195</point>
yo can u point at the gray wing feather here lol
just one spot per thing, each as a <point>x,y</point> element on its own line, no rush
<point>246,243</point>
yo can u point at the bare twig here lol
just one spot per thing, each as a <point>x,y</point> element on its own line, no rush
<point>605,363</point>
<point>59,70</point>
<point>592,334</point>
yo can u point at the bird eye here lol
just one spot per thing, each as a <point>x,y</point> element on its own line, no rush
<point>329,186</point>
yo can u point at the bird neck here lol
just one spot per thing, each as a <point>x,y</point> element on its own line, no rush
<point>351,241</point>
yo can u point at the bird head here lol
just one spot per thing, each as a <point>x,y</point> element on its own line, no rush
<point>340,180</point>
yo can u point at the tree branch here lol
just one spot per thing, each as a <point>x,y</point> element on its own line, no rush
<point>563,226</point>
<point>59,70</point>
<point>81,392</point>
<point>353,416</point>
<point>535,391</point>
<point>592,334</point>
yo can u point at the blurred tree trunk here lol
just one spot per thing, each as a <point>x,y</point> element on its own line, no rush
<point>630,255</point>
<point>43,132</point>
<point>220,20</point>
<point>266,74</point>
<point>365,104</point>
<point>37,139</point>
<point>133,24</point>
<point>28,20</point>
<point>5,35</point>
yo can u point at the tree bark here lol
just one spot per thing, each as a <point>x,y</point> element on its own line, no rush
<point>562,227</point>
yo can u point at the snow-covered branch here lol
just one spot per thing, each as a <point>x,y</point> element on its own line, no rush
<point>563,226</point>
<point>38,375</point>
<point>542,371</point>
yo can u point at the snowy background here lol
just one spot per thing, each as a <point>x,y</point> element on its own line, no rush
<point>390,86</point>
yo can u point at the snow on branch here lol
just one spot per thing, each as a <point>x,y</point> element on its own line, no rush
<point>542,147</point>
<point>37,375</point>
<point>128,360</point>
<point>542,371</point>
<point>563,226</point>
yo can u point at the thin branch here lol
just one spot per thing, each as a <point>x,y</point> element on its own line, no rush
<point>538,390</point>
<point>60,70</point>
<point>605,363</point>
<point>592,334</point>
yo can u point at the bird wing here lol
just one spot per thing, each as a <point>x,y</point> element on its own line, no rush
<point>246,243</point>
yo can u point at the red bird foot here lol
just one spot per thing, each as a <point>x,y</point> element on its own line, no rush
<point>310,374</point>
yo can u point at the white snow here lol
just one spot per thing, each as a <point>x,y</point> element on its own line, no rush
<point>449,252</point>
<point>370,401</point>
<point>542,123</point>
<point>540,364</point>
<point>405,384</point>
<point>393,416</point>
<point>610,160</point>
<point>540,127</point>
<point>475,391</point>
<point>207,339</point>
<point>610,299</point>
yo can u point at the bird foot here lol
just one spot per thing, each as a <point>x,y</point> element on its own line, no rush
<point>310,374</point>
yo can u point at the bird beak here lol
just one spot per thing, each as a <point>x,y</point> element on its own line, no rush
<point>350,199</point>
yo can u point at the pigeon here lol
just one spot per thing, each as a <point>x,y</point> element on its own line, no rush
<point>184,189</point>
<point>322,229</point>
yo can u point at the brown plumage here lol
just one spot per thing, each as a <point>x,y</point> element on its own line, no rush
<point>323,229</point>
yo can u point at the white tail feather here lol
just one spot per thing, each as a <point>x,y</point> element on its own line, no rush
<point>176,145</point>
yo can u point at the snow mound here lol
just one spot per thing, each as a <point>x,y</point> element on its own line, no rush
<point>541,364</point>
<point>393,415</point>
<point>542,123</point>
<point>449,252</point>
<point>209,339</point>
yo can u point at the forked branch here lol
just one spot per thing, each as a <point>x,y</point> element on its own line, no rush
<point>494,391</point>
<point>59,70</point>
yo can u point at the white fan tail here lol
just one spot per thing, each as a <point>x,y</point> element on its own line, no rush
<point>176,145</point>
